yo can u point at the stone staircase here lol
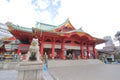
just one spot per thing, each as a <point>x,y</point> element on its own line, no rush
<point>56,63</point>
<point>62,63</point>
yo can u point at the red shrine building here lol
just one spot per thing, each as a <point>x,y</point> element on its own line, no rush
<point>58,42</point>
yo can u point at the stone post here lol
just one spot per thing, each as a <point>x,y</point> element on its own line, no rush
<point>29,70</point>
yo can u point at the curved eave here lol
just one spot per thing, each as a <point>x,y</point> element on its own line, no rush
<point>21,33</point>
<point>80,34</point>
<point>17,27</point>
<point>99,41</point>
<point>23,36</point>
<point>44,32</point>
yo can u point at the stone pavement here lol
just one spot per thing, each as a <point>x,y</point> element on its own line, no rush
<point>87,72</point>
<point>12,75</point>
<point>8,74</point>
<point>75,70</point>
<point>47,76</point>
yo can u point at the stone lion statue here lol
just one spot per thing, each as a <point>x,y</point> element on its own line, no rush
<point>33,53</point>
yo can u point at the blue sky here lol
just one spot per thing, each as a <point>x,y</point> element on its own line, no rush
<point>97,17</point>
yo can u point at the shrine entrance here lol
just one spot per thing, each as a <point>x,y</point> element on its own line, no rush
<point>69,54</point>
<point>57,53</point>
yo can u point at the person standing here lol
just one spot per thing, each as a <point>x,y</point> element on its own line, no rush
<point>46,59</point>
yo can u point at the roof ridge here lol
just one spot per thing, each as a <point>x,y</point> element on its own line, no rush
<point>64,23</point>
<point>45,24</point>
<point>16,26</point>
<point>67,20</point>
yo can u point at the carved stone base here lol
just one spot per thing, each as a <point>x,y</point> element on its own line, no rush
<point>29,70</point>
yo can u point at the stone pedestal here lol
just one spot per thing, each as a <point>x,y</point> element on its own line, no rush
<point>29,70</point>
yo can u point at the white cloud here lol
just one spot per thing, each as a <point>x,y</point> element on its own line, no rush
<point>19,12</point>
<point>97,17</point>
<point>3,10</point>
<point>45,17</point>
<point>43,4</point>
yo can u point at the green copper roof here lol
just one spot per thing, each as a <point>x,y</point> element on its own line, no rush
<point>20,27</point>
<point>44,26</point>
<point>48,27</point>
<point>80,30</point>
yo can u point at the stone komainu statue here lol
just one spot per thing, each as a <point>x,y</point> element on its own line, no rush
<point>33,53</point>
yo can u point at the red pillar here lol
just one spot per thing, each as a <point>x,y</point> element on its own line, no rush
<point>18,51</point>
<point>3,50</point>
<point>88,50</point>
<point>81,52</point>
<point>62,49</point>
<point>39,47</point>
<point>53,49</point>
<point>94,51</point>
<point>42,46</point>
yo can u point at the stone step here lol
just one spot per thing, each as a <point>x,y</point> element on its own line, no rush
<point>56,63</point>
<point>60,63</point>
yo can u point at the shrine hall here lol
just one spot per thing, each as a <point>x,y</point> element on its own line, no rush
<point>58,42</point>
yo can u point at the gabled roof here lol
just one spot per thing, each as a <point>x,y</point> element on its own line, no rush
<point>66,24</point>
<point>66,29</point>
<point>44,27</point>
<point>53,28</point>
